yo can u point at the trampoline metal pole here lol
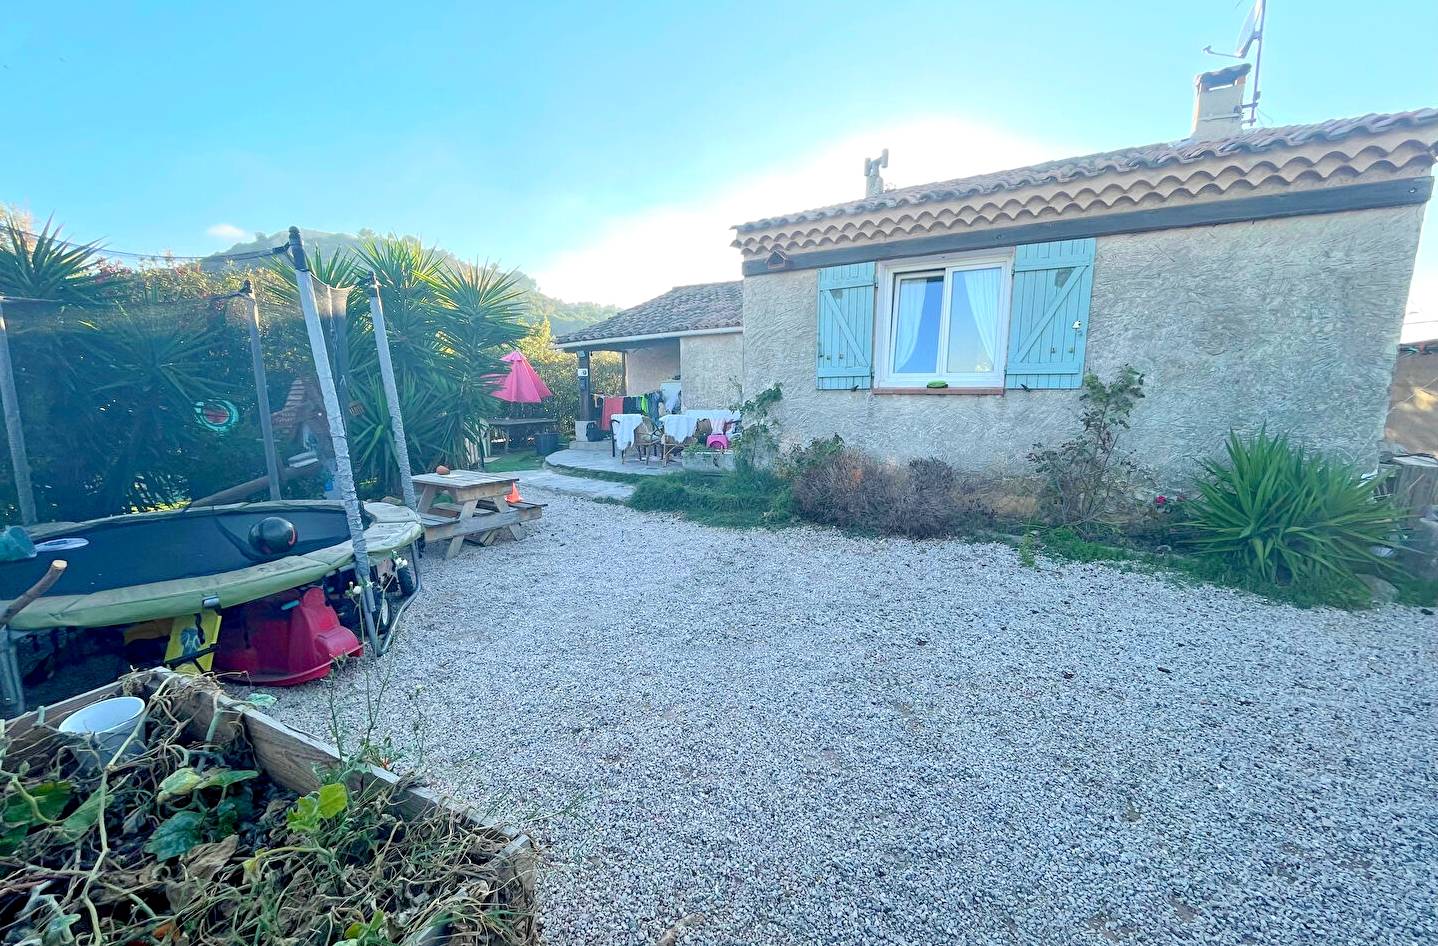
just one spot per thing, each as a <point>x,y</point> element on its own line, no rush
<point>14,428</point>
<point>391,392</point>
<point>344,471</point>
<point>262,393</point>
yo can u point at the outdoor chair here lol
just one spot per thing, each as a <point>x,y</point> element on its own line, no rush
<point>646,443</point>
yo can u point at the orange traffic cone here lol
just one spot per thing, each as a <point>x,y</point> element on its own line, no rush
<point>513,496</point>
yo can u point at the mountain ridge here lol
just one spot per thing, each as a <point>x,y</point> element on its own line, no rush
<point>564,317</point>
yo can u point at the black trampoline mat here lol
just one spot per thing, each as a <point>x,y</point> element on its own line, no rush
<point>136,550</point>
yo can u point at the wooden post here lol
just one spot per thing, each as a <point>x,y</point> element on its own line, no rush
<point>586,413</point>
<point>344,472</point>
<point>339,333</point>
<point>262,392</point>
<point>391,392</point>
<point>14,429</point>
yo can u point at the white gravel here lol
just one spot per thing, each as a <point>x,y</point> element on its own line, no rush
<point>802,737</point>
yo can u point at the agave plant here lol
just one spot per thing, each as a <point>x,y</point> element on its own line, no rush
<point>1283,514</point>
<point>46,267</point>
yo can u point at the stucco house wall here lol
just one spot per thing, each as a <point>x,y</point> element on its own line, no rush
<point>1292,322</point>
<point>712,369</point>
<point>647,367</point>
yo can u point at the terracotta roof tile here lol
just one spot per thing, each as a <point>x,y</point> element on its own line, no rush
<point>1094,165</point>
<point>681,309</point>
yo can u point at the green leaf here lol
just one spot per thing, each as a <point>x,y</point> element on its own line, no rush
<point>176,835</point>
<point>11,837</point>
<point>305,815</point>
<point>311,810</point>
<point>48,798</point>
<point>233,812</point>
<point>224,778</point>
<point>179,783</point>
<point>186,781</point>
<point>334,798</point>
<point>261,700</point>
<point>84,818</point>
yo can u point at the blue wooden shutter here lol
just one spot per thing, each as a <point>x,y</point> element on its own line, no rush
<point>1048,314</point>
<point>846,327</point>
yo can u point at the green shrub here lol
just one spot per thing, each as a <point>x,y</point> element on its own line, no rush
<point>1088,483</point>
<point>741,499</point>
<point>798,460</point>
<point>1283,515</point>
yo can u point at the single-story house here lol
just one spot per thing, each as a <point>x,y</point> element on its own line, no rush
<point>690,333</point>
<point>1254,277</point>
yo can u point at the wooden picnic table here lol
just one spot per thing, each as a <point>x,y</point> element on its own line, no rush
<point>478,508</point>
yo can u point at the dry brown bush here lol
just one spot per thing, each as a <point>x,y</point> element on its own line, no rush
<point>923,499</point>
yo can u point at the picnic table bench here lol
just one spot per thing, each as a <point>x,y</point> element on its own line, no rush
<point>478,508</point>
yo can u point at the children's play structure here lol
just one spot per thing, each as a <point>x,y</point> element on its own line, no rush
<point>274,590</point>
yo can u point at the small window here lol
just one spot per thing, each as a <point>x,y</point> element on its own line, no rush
<point>946,323</point>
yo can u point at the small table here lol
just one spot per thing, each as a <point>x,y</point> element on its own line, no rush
<point>520,426</point>
<point>463,518</point>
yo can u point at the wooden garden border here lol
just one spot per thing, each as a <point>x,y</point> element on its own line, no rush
<point>290,758</point>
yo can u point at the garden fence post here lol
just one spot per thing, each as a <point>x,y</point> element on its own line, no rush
<point>262,394</point>
<point>344,472</point>
<point>391,392</point>
<point>14,429</point>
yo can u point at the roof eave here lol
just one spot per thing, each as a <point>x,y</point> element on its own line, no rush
<point>658,336</point>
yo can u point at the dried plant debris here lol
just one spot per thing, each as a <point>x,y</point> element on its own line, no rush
<point>188,842</point>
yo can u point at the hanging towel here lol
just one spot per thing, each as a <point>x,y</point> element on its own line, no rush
<point>669,392</point>
<point>612,406</point>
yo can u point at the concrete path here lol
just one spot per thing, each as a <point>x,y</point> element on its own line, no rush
<point>601,461</point>
<point>581,486</point>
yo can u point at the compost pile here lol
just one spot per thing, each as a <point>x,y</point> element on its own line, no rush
<point>186,842</point>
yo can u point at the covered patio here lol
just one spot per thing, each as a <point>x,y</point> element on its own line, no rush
<point>682,352</point>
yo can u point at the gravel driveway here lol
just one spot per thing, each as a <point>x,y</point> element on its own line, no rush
<point>801,737</point>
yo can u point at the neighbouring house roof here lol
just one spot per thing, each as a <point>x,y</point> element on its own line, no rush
<point>1262,160</point>
<point>683,310</point>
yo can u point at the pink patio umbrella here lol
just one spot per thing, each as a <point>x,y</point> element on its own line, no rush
<point>522,385</point>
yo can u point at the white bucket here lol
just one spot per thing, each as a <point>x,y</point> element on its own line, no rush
<point>103,728</point>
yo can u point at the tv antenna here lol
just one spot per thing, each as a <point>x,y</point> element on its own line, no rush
<point>873,180</point>
<point>1250,37</point>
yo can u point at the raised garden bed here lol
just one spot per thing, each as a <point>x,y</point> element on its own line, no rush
<point>221,825</point>
<point>708,461</point>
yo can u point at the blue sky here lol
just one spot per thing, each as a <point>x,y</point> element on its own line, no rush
<point>605,148</point>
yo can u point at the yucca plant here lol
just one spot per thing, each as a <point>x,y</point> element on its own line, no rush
<point>44,266</point>
<point>447,324</point>
<point>1282,514</point>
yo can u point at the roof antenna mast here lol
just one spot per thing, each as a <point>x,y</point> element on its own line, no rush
<point>1249,37</point>
<point>873,181</point>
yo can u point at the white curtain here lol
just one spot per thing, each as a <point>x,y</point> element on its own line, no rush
<point>981,290</point>
<point>908,315</point>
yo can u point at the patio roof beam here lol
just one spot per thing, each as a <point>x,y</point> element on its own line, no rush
<point>609,344</point>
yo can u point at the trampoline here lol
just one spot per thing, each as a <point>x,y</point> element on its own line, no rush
<point>141,567</point>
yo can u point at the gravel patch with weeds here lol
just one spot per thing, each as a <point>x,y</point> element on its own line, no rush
<point>803,737</point>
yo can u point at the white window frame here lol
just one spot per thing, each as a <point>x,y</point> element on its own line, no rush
<point>888,274</point>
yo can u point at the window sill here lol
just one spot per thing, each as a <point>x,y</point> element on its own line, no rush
<point>969,391</point>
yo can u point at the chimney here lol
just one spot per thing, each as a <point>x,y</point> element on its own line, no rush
<point>1218,103</point>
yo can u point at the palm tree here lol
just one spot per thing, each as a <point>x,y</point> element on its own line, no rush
<point>447,328</point>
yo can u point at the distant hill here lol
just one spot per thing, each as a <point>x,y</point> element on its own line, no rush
<point>563,316</point>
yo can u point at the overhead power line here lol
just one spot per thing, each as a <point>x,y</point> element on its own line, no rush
<point>160,257</point>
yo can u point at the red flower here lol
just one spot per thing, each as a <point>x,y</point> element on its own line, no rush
<point>1160,500</point>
